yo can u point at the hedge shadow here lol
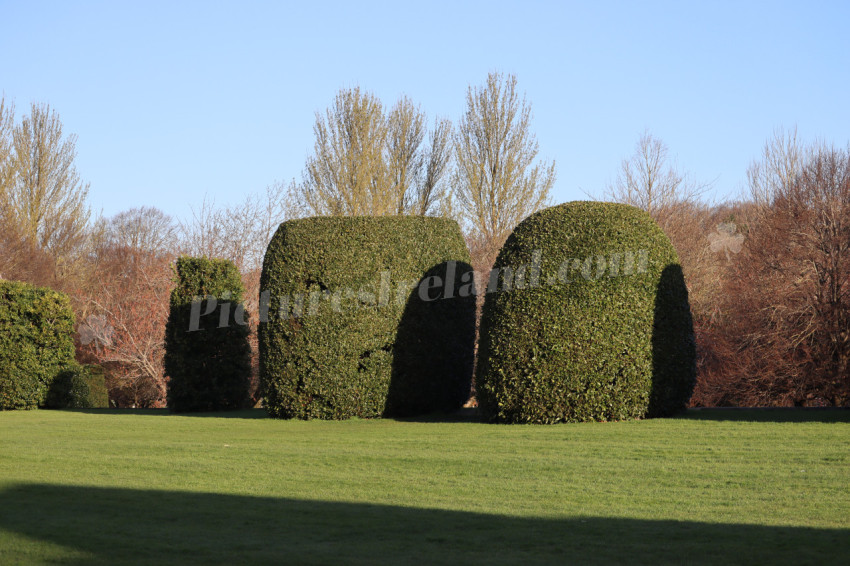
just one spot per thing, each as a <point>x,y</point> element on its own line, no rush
<point>434,347</point>
<point>673,346</point>
<point>93,525</point>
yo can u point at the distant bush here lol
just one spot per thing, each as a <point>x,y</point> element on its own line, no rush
<point>207,354</point>
<point>78,387</point>
<point>36,342</point>
<point>590,322</point>
<point>349,332</point>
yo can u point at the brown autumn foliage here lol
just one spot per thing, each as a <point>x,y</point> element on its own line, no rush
<point>767,276</point>
<point>22,259</point>
<point>784,335</point>
<point>708,240</point>
<point>123,309</point>
<point>124,325</point>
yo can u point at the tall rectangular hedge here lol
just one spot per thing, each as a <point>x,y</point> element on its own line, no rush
<point>366,317</point>
<point>36,342</point>
<point>207,353</point>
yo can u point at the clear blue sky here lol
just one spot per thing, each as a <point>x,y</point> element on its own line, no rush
<point>175,100</point>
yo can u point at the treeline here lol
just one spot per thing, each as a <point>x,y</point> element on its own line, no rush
<point>117,270</point>
<point>767,273</point>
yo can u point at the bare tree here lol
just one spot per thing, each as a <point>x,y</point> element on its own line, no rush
<point>648,180</point>
<point>123,324</point>
<point>346,174</point>
<point>798,264</point>
<point>783,335</point>
<point>7,126</point>
<point>431,194</point>
<point>45,196</point>
<point>780,164</point>
<point>367,162</point>
<point>204,234</point>
<point>145,229</point>
<point>496,182</point>
<point>20,259</point>
<point>405,132</point>
<point>241,232</point>
<point>123,310</point>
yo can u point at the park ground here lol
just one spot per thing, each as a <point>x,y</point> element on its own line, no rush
<point>711,486</point>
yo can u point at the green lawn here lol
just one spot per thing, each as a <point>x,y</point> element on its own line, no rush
<point>719,487</point>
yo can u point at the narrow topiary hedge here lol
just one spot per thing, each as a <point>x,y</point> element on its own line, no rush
<point>36,342</point>
<point>366,317</point>
<point>207,354</point>
<point>78,387</point>
<point>587,318</point>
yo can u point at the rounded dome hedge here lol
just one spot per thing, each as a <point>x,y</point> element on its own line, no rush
<point>366,317</point>
<point>586,318</point>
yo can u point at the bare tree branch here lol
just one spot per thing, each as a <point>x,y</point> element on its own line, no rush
<point>497,182</point>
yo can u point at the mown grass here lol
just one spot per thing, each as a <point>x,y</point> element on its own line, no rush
<point>148,487</point>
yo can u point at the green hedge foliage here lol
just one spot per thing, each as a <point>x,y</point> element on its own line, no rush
<point>78,387</point>
<point>207,353</point>
<point>361,321</point>
<point>587,319</point>
<point>36,342</point>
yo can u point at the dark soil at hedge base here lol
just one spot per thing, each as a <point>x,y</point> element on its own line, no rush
<point>586,344</point>
<point>355,339</point>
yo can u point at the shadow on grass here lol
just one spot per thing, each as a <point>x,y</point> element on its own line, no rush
<point>240,414</point>
<point>119,526</point>
<point>462,415</point>
<point>770,414</point>
<point>766,414</point>
<point>465,415</point>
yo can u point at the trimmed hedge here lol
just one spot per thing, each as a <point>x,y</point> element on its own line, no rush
<point>79,387</point>
<point>207,354</point>
<point>36,342</point>
<point>344,331</point>
<point>587,319</point>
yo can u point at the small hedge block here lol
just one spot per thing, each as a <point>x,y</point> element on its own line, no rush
<point>79,387</point>
<point>207,353</point>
